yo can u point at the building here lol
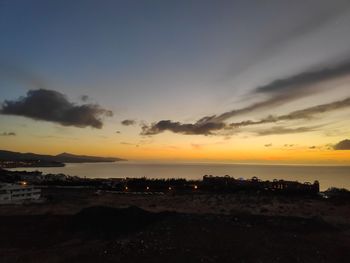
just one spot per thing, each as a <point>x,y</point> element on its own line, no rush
<point>18,193</point>
<point>230,184</point>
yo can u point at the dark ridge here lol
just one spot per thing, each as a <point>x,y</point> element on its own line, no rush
<point>60,158</point>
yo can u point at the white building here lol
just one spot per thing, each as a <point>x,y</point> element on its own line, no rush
<point>18,193</point>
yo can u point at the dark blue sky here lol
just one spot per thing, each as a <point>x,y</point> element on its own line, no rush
<point>157,49</point>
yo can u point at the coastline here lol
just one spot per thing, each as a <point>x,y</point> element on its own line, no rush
<point>328,176</point>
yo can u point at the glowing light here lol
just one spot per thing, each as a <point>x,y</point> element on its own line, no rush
<point>169,188</point>
<point>147,187</point>
<point>24,183</point>
<point>195,187</point>
<point>126,188</point>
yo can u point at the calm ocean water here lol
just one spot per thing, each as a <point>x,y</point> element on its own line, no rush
<point>328,176</point>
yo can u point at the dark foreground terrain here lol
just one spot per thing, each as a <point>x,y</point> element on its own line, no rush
<point>105,229</point>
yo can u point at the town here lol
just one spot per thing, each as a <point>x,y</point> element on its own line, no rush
<point>17,186</point>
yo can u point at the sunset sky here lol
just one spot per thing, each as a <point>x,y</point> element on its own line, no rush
<point>196,81</point>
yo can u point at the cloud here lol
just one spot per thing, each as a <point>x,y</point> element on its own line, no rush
<point>342,145</point>
<point>310,112</point>
<point>278,92</point>
<point>128,122</point>
<point>8,134</point>
<point>118,132</point>
<point>279,130</point>
<point>127,143</point>
<point>284,90</point>
<point>20,75</point>
<point>204,126</point>
<point>268,145</point>
<point>177,127</point>
<point>288,145</point>
<point>196,146</point>
<point>312,147</point>
<point>269,103</point>
<point>285,37</point>
<point>53,106</point>
<point>299,81</point>
<point>130,144</point>
<point>84,98</point>
<point>307,113</point>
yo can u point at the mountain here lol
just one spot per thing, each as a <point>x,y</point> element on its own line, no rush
<point>72,158</point>
<point>61,158</point>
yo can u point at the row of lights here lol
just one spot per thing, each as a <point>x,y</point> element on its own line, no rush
<point>195,187</point>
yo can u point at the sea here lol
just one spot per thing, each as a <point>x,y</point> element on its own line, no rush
<point>328,176</point>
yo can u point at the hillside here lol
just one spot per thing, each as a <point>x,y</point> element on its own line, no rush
<point>61,158</point>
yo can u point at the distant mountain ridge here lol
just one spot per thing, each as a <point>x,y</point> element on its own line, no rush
<point>61,158</point>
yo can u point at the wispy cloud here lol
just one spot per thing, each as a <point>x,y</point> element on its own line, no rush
<point>284,90</point>
<point>21,75</point>
<point>8,134</point>
<point>314,22</point>
<point>277,92</point>
<point>128,122</point>
<point>53,106</point>
<point>278,130</point>
<point>307,113</point>
<point>127,143</point>
<point>196,146</point>
<point>209,128</point>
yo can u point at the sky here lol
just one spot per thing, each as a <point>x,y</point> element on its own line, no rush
<point>192,81</point>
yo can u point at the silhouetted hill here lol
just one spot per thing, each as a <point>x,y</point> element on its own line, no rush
<point>62,158</point>
<point>72,158</point>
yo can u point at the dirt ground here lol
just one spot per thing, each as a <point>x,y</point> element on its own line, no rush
<point>198,228</point>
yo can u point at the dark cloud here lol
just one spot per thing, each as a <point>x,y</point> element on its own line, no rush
<point>206,128</point>
<point>128,122</point>
<point>312,147</point>
<point>249,122</point>
<point>342,145</point>
<point>268,145</point>
<point>283,130</point>
<point>53,106</point>
<point>84,98</point>
<point>8,134</point>
<point>118,132</point>
<point>288,145</point>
